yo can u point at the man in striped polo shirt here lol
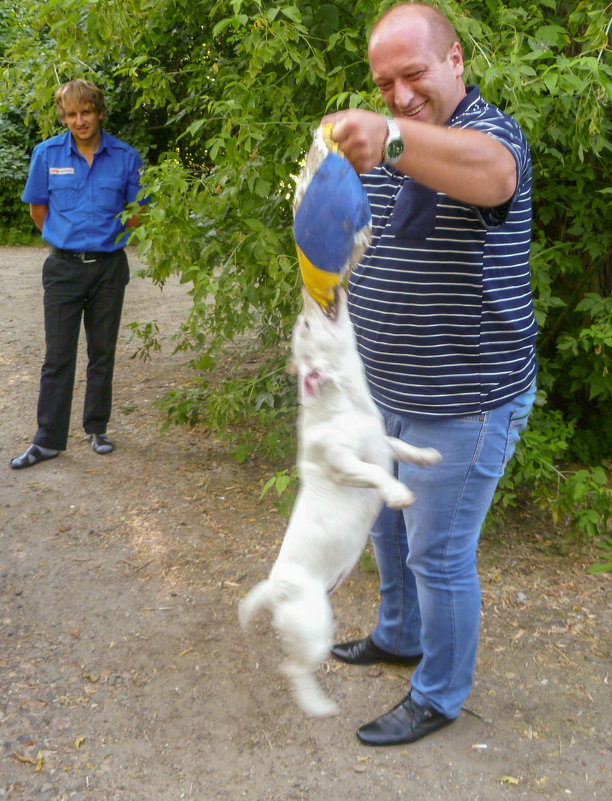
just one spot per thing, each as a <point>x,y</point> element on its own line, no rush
<point>442,309</point>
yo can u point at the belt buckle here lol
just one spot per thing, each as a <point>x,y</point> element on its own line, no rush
<point>84,260</point>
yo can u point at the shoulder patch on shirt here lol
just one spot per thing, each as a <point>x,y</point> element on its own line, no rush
<point>61,170</point>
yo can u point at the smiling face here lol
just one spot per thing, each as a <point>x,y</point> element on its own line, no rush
<point>417,64</point>
<point>83,122</point>
<point>80,106</point>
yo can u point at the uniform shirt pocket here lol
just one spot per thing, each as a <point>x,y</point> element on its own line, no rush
<point>414,213</point>
<point>110,195</point>
<point>64,192</point>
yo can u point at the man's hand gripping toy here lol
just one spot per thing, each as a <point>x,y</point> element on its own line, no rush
<point>332,219</point>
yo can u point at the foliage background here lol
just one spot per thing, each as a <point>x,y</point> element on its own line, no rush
<point>221,99</point>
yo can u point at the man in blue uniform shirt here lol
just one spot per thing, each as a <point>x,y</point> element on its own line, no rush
<point>79,182</point>
<point>442,310</point>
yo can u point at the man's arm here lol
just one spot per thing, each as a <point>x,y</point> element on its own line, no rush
<point>133,187</point>
<point>38,212</point>
<point>467,165</point>
<point>133,221</point>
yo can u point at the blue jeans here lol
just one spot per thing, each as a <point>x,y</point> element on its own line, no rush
<point>426,555</point>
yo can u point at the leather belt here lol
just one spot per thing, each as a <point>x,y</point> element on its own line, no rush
<point>85,257</point>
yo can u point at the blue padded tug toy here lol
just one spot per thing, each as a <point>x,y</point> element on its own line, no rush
<point>332,219</point>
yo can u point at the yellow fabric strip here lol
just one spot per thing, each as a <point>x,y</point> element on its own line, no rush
<point>319,283</point>
<point>326,130</point>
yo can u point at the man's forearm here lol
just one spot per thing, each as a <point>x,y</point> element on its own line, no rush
<point>465,164</point>
<point>38,212</point>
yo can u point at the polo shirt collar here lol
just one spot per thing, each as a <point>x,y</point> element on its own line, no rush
<point>472,95</point>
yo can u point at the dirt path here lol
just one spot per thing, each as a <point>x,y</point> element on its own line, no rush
<point>124,675</point>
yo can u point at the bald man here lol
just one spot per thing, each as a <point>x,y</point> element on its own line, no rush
<point>442,309</point>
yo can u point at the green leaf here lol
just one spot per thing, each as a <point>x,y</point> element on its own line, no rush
<point>293,13</point>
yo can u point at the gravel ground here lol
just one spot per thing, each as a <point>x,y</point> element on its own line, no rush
<point>124,675</point>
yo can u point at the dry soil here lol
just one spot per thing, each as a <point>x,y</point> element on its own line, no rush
<point>124,675</point>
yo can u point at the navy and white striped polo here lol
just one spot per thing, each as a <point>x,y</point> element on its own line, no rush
<point>441,302</point>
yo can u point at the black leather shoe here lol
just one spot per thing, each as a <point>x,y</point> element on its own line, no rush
<point>366,652</point>
<point>407,722</point>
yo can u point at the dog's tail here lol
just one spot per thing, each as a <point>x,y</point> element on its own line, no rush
<point>286,585</point>
<point>261,597</point>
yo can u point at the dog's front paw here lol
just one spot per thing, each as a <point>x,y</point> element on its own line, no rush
<point>427,456</point>
<point>397,496</point>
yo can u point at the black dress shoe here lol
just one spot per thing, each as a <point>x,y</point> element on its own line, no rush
<point>366,652</point>
<point>407,722</point>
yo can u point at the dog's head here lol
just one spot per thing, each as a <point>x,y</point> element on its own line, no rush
<point>322,341</point>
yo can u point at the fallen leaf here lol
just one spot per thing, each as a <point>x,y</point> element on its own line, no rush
<point>509,780</point>
<point>79,742</point>
<point>22,758</point>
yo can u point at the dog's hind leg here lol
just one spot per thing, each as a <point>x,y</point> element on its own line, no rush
<point>306,627</point>
<point>309,696</point>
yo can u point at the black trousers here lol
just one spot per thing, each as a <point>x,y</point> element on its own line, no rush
<point>73,291</point>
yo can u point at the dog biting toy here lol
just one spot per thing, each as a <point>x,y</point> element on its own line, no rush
<point>332,219</point>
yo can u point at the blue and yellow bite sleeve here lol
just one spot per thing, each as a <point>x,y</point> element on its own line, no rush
<point>331,218</point>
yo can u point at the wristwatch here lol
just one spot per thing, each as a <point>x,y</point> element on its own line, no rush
<point>394,143</point>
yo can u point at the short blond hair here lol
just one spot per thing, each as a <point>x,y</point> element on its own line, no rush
<point>78,91</point>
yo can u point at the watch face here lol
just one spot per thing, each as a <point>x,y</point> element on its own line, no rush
<point>395,148</point>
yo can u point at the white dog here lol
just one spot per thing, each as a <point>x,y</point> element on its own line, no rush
<point>345,462</point>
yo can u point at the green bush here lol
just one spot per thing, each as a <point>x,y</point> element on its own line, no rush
<point>16,226</point>
<point>224,96</point>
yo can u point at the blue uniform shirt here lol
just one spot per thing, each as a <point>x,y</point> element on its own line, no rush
<point>83,201</point>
